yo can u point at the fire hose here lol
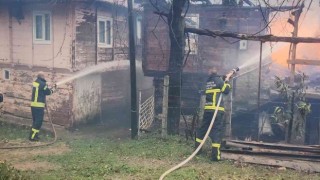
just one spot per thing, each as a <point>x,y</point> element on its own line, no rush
<point>38,145</point>
<point>198,148</point>
<point>205,137</point>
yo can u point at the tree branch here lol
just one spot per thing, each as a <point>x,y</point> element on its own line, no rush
<point>264,38</point>
<point>161,13</point>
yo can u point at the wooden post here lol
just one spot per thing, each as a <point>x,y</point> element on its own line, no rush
<point>101,121</point>
<point>96,36</point>
<point>11,41</point>
<point>139,115</point>
<point>228,133</point>
<point>165,106</point>
<point>202,103</point>
<point>319,132</point>
<point>133,80</point>
<point>293,50</point>
<point>291,119</point>
<point>259,90</point>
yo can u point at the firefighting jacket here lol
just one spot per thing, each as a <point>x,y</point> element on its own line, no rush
<point>214,87</point>
<point>39,92</point>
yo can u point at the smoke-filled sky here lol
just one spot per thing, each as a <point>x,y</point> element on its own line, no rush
<point>309,26</point>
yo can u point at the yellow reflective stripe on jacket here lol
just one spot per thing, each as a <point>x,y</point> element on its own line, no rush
<point>216,145</point>
<point>35,84</point>
<point>225,86</point>
<point>198,140</point>
<point>214,97</point>
<point>214,108</point>
<point>212,91</point>
<point>35,103</point>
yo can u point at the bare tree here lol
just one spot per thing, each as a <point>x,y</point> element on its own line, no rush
<point>175,19</point>
<point>177,40</point>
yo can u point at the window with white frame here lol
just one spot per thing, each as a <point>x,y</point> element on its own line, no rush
<point>105,37</point>
<point>42,27</point>
<point>192,21</point>
<point>139,30</point>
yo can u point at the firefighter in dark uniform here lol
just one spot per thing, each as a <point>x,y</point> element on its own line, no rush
<point>215,85</point>
<point>38,102</point>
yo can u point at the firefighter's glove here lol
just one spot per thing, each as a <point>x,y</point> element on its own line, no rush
<point>228,76</point>
<point>54,88</point>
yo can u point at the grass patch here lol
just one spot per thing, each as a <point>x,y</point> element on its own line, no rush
<point>101,158</point>
<point>7,172</point>
<point>19,132</point>
<point>147,158</point>
<point>12,132</point>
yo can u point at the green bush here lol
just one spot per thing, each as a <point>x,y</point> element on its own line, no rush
<point>7,172</point>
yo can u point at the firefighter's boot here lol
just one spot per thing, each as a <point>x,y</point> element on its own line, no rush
<point>34,135</point>
<point>197,144</point>
<point>216,154</point>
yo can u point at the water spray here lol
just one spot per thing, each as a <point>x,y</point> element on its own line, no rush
<point>101,67</point>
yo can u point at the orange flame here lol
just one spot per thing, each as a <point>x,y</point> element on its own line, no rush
<point>308,27</point>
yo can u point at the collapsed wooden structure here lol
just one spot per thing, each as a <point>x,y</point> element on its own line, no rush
<point>303,158</point>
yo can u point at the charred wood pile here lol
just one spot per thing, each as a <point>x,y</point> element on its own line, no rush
<point>303,158</point>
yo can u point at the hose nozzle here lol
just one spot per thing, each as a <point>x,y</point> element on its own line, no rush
<point>231,73</point>
<point>235,69</point>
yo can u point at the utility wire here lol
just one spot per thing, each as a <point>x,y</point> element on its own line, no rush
<point>305,14</point>
<point>280,8</point>
<point>265,26</point>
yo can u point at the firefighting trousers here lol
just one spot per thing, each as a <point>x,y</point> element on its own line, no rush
<point>37,117</point>
<point>218,129</point>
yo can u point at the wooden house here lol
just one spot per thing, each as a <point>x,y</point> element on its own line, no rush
<point>60,38</point>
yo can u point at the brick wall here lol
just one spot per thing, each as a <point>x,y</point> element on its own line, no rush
<point>18,95</point>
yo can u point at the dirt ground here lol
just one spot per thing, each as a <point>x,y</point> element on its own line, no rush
<point>99,152</point>
<point>23,159</point>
